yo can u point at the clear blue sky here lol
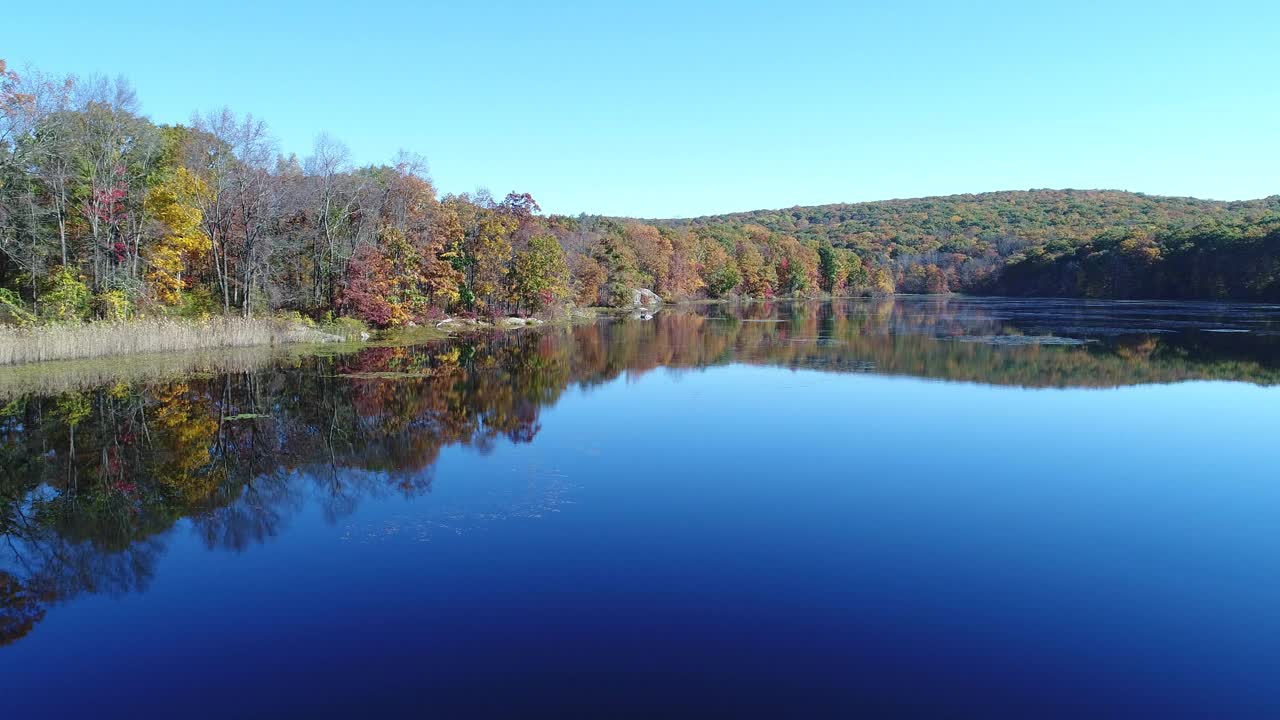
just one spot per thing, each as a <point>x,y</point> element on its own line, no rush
<point>664,108</point>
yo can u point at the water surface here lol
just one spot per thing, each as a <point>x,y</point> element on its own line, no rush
<point>932,506</point>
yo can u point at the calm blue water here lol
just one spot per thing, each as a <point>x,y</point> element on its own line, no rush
<point>614,522</point>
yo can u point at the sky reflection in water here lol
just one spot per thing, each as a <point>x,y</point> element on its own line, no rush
<point>885,505</point>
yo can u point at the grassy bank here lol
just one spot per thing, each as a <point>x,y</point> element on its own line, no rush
<point>103,339</point>
<point>108,339</point>
<point>58,376</point>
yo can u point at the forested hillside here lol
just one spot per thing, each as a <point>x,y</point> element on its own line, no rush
<point>965,242</point>
<point>107,215</point>
<point>1237,261</point>
<point>1000,221</point>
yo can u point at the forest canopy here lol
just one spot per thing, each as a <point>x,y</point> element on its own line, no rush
<point>106,215</point>
<point>1036,242</point>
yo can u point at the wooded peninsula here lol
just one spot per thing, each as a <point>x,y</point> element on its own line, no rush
<point>105,215</point>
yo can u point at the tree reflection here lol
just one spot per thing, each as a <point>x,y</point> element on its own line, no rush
<point>20,609</point>
<point>92,481</point>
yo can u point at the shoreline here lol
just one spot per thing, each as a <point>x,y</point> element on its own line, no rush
<point>47,345</point>
<point>102,340</point>
<point>99,349</point>
<point>112,341</point>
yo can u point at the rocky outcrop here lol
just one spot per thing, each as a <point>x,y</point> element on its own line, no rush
<point>644,303</point>
<point>304,334</point>
<point>645,298</point>
<point>478,324</point>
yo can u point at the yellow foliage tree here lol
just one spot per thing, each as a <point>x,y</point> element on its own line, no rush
<point>176,203</point>
<point>489,253</point>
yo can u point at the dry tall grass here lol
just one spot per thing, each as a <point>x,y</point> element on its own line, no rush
<point>105,339</point>
<point>59,376</point>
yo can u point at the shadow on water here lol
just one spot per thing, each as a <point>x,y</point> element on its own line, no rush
<point>96,465</point>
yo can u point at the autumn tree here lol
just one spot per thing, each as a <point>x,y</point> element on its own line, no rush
<point>175,202</point>
<point>38,174</point>
<point>418,234</point>
<point>539,275</point>
<point>231,155</point>
<point>684,279</point>
<point>116,151</point>
<point>854,272</point>
<point>830,269</point>
<point>758,277</point>
<point>488,252</point>
<point>621,266</point>
<point>720,269</point>
<point>653,253</point>
<point>589,276</point>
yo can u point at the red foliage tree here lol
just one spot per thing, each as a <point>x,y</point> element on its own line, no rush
<point>364,294</point>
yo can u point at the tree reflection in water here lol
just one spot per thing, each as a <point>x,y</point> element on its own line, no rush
<point>92,479</point>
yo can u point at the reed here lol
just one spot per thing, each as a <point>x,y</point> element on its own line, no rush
<point>107,339</point>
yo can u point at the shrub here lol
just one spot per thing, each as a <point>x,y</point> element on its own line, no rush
<point>67,298</point>
<point>199,304</point>
<point>347,327</point>
<point>293,317</point>
<point>113,305</point>
<point>13,311</point>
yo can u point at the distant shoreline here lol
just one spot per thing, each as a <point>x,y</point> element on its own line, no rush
<point>168,341</point>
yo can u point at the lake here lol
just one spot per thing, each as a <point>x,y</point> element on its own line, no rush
<point>933,506</point>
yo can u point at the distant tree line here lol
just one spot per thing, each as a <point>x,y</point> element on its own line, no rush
<point>1225,262</point>
<point>104,214</point>
<point>1034,242</point>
